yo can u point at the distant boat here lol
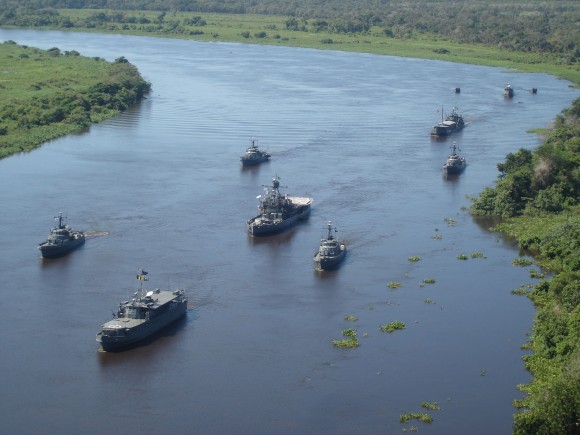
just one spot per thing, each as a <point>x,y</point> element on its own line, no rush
<point>330,252</point>
<point>61,240</point>
<point>278,212</point>
<point>452,123</point>
<point>142,316</point>
<point>508,91</point>
<point>254,155</point>
<point>454,163</point>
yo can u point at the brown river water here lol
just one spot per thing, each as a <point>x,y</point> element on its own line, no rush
<point>160,187</point>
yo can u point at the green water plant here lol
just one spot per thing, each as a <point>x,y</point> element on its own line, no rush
<point>351,340</point>
<point>462,257</point>
<point>390,327</point>
<point>421,416</point>
<point>478,255</point>
<point>351,318</point>
<point>522,262</point>
<point>432,406</point>
<point>414,258</point>
<point>429,281</point>
<point>393,284</point>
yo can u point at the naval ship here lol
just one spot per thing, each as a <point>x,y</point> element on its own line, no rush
<point>142,316</point>
<point>278,212</point>
<point>61,240</point>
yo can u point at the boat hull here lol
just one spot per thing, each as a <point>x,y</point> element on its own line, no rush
<point>253,162</point>
<point>258,228</point>
<point>51,250</point>
<point>329,262</point>
<point>454,169</point>
<point>142,331</point>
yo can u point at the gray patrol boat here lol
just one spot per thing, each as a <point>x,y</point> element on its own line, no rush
<point>278,212</point>
<point>330,252</point>
<point>254,155</point>
<point>142,316</point>
<point>61,240</point>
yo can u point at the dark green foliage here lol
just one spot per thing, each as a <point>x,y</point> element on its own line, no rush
<point>542,188</point>
<point>546,180</point>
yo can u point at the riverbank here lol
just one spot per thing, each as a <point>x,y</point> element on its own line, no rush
<point>48,94</point>
<point>274,30</point>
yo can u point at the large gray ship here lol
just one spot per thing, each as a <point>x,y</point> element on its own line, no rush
<point>142,316</point>
<point>61,240</point>
<point>452,123</point>
<point>278,212</point>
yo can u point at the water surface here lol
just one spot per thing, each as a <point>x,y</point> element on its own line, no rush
<point>161,187</point>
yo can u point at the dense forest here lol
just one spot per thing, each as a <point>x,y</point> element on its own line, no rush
<point>539,193</point>
<point>528,26</point>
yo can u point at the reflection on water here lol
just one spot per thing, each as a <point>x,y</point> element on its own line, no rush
<point>161,187</point>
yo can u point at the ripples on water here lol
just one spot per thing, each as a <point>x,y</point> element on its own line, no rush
<point>160,187</point>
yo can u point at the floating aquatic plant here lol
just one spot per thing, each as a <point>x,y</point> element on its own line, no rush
<point>522,262</point>
<point>421,416</point>
<point>432,406</point>
<point>450,221</point>
<point>393,284</point>
<point>429,281</point>
<point>462,257</point>
<point>351,318</point>
<point>350,342</point>
<point>478,255</point>
<point>414,258</point>
<point>390,327</point>
<point>535,274</point>
<point>428,300</point>
<point>437,237</point>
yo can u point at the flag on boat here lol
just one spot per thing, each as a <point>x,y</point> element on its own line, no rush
<point>141,276</point>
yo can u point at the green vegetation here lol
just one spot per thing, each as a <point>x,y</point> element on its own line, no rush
<point>522,262</point>
<point>429,281</point>
<point>351,318</point>
<point>462,257</point>
<point>538,193</point>
<point>478,255</point>
<point>421,416</point>
<point>527,35</point>
<point>390,327</point>
<point>432,406</point>
<point>47,94</point>
<point>351,340</point>
<point>414,258</point>
<point>393,284</point>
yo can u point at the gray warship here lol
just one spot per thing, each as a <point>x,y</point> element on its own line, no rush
<point>331,251</point>
<point>254,155</point>
<point>278,212</point>
<point>142,316</point>
<point>61,240</point>
<point>452,123</point>
<point>455,163</point>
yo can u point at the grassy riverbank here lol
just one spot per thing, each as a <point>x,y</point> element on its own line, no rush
<point>275,30</point>
<point>47,94</point>
<point>538,192</point>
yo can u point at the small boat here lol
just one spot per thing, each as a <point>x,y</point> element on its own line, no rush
<point>61,240</point>
<point>278,212</point>
<point>254,155</point>
<point>453,122</point>
<point>331,251</point>
<point>142,316</point>
<point>508,91</point>
<point>455,163</point>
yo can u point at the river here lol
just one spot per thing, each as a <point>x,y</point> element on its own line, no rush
<point>160,187</point>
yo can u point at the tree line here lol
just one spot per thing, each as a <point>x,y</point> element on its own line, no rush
<point>539,193</point>
<point>529,26</point>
